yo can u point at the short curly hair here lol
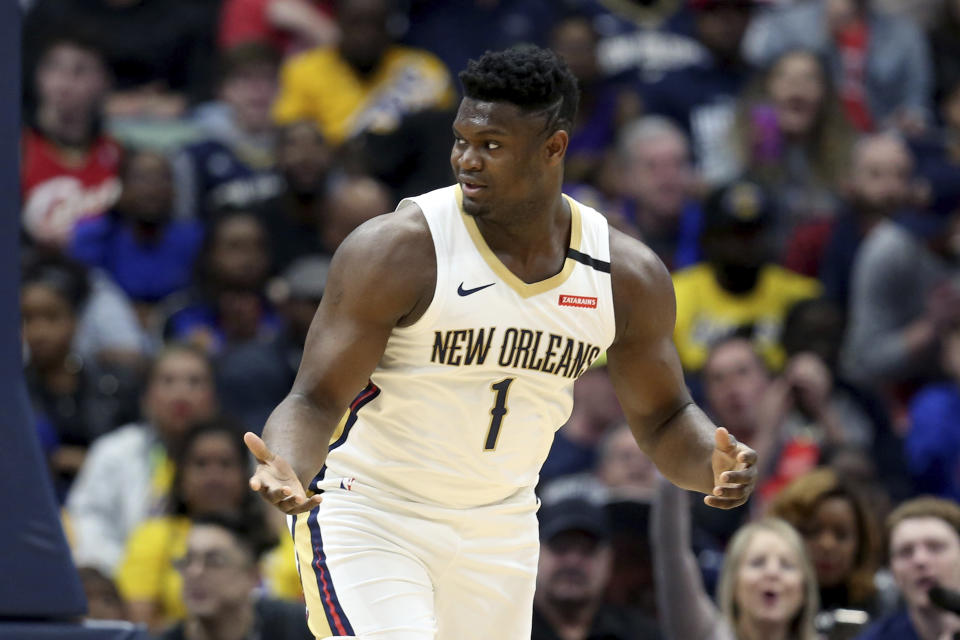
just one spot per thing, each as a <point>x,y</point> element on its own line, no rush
<point>536,80</point>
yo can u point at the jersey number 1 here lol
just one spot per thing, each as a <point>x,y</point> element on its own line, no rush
<point>498,411</point>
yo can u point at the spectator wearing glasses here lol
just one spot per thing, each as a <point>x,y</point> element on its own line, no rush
<point>220,574</point>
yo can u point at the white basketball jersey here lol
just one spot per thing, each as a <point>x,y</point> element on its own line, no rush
<point>462,408</point>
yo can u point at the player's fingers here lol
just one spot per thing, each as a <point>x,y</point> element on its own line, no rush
<point>723,503</point>
<point>746,476</point>
<point>275,494</point>
<point>303,507</point>
<point>724,440</point>
<point>261,481</point>
<point>730,491</point>
<point>747,457</point>
<point>258,448</point>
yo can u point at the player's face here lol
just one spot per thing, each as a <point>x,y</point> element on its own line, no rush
<point>48,324</point>
<point>770,585</point>
<point>498,156</point>
<point>574,568</point>
<point>924,552</point>
<point>218,577</point>
<point>832,540</point>
<point>180,393</point>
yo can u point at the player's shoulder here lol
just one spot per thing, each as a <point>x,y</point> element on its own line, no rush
<point>398,230</point>
<point>640,282</point>
<point>633,263</point>
<point>388,248</point>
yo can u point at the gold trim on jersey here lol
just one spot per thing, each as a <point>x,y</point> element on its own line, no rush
<point>524,289</point>
<point>338,431</point>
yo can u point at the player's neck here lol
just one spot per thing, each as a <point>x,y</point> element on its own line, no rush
<point>532,245</point>
<point>522,230</point>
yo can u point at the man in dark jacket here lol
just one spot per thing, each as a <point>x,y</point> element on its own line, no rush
<point>575,563</point>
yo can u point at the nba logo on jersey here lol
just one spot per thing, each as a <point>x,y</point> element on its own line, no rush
<point>584,302</point>
<point>347,483</point>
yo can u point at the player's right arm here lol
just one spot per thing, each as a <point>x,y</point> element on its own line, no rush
<point>644,367</point>
<point>382,276</point>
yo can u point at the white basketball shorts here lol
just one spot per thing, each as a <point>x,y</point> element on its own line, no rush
<point>379,568</point>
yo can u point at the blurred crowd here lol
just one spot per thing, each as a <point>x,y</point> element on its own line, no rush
<point>189,167</point>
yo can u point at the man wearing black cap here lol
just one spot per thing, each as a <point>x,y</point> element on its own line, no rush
<point>737,289</point>
<point>575,566</point>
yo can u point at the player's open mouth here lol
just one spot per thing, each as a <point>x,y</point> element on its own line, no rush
<point>470,187</point>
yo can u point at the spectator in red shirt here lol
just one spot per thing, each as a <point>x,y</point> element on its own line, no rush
<point>69,166</point>
<point>288,26</point>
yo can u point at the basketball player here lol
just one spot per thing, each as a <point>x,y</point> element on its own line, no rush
<point>463,319</point>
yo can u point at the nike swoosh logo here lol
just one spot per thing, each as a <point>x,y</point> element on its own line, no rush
<point>465,292</point>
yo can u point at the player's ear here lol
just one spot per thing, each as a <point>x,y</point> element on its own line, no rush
<point>555,148</point>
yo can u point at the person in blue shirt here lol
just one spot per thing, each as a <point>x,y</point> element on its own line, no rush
<point>924,547</point>
<point>139,243</point>
<point>226,304</point>
<point>933,442</point>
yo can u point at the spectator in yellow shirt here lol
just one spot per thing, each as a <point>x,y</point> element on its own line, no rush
<point>211,478</point>
<point>737,289</point>
<point>366,83</point>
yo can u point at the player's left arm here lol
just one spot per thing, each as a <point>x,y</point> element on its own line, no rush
<point>682,441</point>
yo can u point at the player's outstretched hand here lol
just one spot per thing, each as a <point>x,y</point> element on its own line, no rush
<point>276,481</point>
<point>734,472</point>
